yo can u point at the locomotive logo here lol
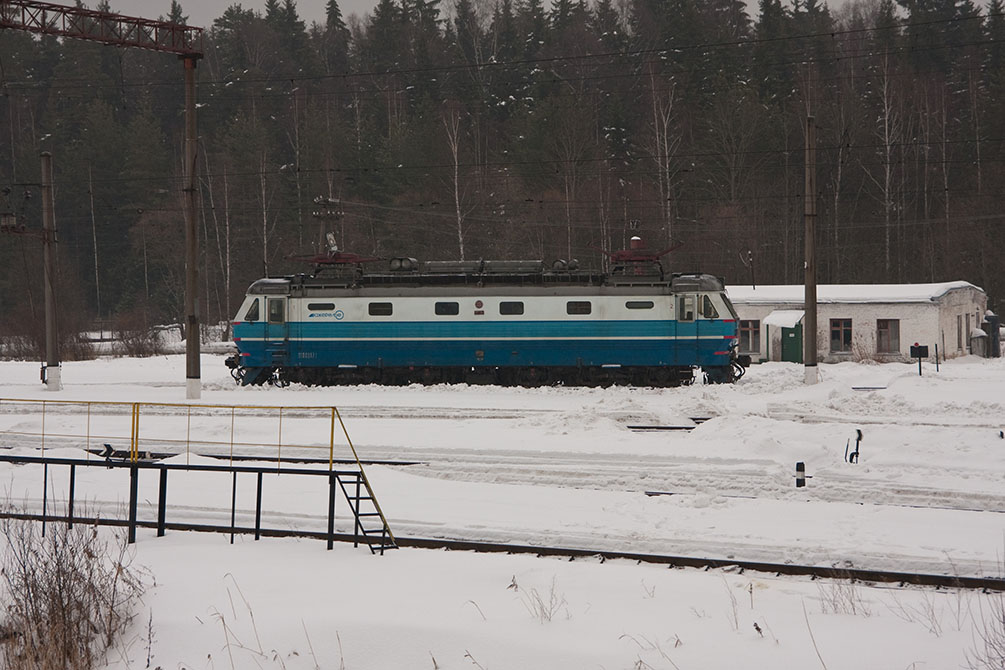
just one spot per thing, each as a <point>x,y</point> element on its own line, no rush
<point>338,315</point>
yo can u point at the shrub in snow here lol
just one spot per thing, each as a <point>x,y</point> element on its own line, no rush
<point>67,597</point>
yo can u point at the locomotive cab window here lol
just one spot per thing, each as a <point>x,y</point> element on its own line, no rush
<point>685,308</point>
<point>380,309</point>
<point>578,307</point>
<point>277,311</point>
<point>321,306</point>
<point>510,308</point>
<point>252,313</point>
<point>708,309</point>
<point>639,304</point>
<point>447,308</point>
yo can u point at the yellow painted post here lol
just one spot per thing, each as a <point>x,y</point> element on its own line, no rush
<point>135,454</point>
<point>347,438</point>
<point>87,450</point>
<point>279,449</point>
<point>279,454</point>
<point>331,448</point>
<point>132,429</point>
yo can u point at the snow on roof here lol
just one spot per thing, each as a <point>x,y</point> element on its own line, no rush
<point>846,293</point>
<point>784,318</point>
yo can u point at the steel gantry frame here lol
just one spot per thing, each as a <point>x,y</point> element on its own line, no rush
<point>46,18</point>
<point>132,32</point>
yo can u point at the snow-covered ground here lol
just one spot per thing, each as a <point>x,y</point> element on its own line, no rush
<point>556,466</point>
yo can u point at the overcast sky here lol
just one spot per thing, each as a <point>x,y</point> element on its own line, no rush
<point>202,12</point>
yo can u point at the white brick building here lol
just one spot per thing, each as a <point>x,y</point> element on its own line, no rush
<point>859,321</point>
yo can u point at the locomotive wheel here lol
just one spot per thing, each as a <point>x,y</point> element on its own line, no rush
<point>719,375</point>
<point>428,376</point>
<point>662,377</point>
<point>532,377</point>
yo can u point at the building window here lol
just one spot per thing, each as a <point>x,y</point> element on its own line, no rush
<point>959,333</point>
<point>750,337</point>
<point>578,307</point>
<point>510,308</point>
<point>447,308</point>
<point>380,309</point>
<point>639,304</point>
<point>888,336</point>
<point>840,336</point>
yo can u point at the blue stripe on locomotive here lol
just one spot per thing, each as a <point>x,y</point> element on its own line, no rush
<point>392,344</point>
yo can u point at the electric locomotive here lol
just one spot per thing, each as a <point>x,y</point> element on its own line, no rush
<point>497,322</point>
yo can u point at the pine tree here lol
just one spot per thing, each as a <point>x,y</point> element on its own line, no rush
<point>606,25</point>
<point>771,65</point>
<point>273,13</point>
<point>176,14</point>
<point>466,30</point>
<point>532,27</point>
<point>335,40</point>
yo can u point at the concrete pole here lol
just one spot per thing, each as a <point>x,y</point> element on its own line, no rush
<point>193,381</point>
<point>53,381</point>
<point>810,298</point>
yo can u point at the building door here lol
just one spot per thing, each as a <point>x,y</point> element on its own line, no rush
<point>792,344</point>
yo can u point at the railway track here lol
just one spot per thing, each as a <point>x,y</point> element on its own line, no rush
<point>663,475</point>
<point>812,571</point>
<point>898,578</point>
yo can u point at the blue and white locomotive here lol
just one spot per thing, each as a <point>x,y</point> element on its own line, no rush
<point>500,322</point>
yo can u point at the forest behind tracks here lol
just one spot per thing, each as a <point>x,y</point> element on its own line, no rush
<point>510,130</point>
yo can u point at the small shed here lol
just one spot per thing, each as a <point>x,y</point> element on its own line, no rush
<point>859,321</point>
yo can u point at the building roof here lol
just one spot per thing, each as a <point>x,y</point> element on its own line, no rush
<point>784,318</point>
<point>845,293</point>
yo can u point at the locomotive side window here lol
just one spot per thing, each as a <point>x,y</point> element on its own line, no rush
<point>708,309</point>
<point>252,313</point>
<point>380,309</point>
<point>509,308</point>
<point>578,307</point>
<point>447,308</point>
<point>277,311</point>
<point>321,306</point>
<point>639,304</point>
<point>685,308</point>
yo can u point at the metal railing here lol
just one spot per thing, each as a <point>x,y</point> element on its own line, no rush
<point>146,431</point>
<point>335,477</point>
<point>233,431</point>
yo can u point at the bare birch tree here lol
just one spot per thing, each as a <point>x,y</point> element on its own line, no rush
<point>452,125</point>
<point>663,145</point>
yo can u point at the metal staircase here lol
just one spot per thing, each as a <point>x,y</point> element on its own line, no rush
<point>370,525</point>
